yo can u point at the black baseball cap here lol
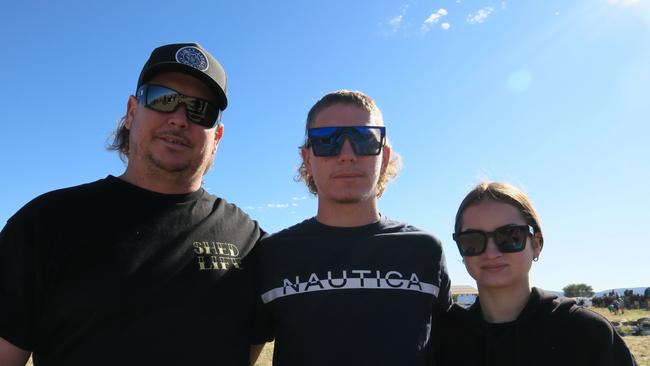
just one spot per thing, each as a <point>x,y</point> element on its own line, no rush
<point>191,59</point>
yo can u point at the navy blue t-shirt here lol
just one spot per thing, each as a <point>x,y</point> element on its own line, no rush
<point>351,296</point>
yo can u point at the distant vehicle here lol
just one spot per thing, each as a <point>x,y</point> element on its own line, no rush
<point>466,300</point>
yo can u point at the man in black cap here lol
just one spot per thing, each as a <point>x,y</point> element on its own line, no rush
<point>142,269</point>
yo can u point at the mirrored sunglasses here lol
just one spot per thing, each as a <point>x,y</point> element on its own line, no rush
<point>365,140</point>
<point>166,100</point>
<point>508,239</point>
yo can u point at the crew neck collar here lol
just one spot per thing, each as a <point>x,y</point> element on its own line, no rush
<point>137,192</point>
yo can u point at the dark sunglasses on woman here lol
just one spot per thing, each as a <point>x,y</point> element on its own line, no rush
<point>508,239</point>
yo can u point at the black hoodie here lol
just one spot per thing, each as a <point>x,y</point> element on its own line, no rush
<point>549,331</point>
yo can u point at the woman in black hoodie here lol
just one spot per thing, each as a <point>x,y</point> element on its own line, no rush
<point>499,235</point>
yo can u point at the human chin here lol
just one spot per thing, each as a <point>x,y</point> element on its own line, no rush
<point>508,277</point>
<point>348,200</point>
<point>170,165</point>
<point>493,281</point>
<point>352,197</point>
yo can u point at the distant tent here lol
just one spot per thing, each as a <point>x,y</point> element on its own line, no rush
<point>463,290</point>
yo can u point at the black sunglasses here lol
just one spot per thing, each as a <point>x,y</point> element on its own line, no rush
<point>327,141</point>
<point>509,239</point>
<point>166,100</point>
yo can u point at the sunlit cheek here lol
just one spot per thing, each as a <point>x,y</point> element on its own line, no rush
<point>528,263</point>
<point>470,267</point>
<point>529,254</point>
<point>377,170</point>
<point>521,263</point>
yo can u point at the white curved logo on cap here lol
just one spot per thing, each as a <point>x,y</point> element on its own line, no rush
<point>192,56</point>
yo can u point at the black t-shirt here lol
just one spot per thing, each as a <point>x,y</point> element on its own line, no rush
<point>501,337</point>
<point>351,296</point>
<point>108,273</point>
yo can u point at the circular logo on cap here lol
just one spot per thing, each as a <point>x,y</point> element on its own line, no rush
<point>192,56</point>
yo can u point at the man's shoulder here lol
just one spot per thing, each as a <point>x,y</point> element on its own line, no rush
<point>57,206</point>
<point>230,214</point>
<point>391,226</point>
<point>228,208</point>
<point>66,195</point>
<point>306,227</point>
<point>80,189</point>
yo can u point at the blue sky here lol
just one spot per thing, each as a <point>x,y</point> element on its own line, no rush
<point>551,96</point>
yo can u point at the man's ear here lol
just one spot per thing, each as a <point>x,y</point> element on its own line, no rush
<point>306,159</point>
<point>385,158</point>
<point>131,107</point>
<point>218,134</point>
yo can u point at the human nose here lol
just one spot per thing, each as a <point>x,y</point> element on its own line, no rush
<point>178,118</point>
<point>491,249</point>
<point>347,152</point>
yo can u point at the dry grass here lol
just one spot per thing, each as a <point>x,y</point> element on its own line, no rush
<point>266,357</point>
<point>640,345</point>
<point>629,314</point>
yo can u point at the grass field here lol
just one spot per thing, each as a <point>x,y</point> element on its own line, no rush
<point>639,345</point>
<point>266,357</point>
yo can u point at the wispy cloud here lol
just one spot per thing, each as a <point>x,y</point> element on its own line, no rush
<point>277,205</point>
<point>433,19</point>
<point>395,23</point>
<point>295,202</point>
<point>251,208</point>
<point>445,26</point>
<point>480,15</point>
